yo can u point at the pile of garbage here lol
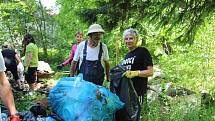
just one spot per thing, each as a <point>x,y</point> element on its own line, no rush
<point>44,70</point>
<point>74,99</point>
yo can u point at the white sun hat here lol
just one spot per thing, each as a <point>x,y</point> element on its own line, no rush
<point>95,28</point>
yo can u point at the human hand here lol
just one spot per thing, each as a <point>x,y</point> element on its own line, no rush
<point>131,74</point>
<point>59,67</point>
<point>14,118</point>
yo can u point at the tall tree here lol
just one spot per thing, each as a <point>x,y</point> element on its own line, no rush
<point>181,17</point>
<point>21,17</point>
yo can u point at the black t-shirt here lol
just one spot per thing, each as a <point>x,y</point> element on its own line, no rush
<point>9,57</point>
<point>138,59</point>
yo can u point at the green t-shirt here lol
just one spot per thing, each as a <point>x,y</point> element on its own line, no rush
<point>31,48</point>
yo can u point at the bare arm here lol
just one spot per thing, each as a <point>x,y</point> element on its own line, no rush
<point>29,57</point>
<point>146,73</point>
<point>18,59</point>
<point>6,94</point>
<point>73,68</point>
<point>107,70</point>
<point>69,60</point>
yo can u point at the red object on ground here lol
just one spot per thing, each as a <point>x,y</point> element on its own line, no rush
<point>14,118</point>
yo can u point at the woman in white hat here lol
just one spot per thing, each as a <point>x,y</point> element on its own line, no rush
<point>94,58</point>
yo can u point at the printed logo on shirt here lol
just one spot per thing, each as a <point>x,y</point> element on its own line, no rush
<point>128,62</point>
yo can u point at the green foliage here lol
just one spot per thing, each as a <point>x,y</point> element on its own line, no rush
<point>21,17</point>
<point>175,109</point>
<point>11,26</point>
<point>24,101</point>
<point>186,26</point>
<point>193,65</point>
<point>55,57</point>
<point>185,16</point>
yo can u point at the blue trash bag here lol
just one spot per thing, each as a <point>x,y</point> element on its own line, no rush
<point>74,99</point>
<point>4,117</point>
<point>48,119</point>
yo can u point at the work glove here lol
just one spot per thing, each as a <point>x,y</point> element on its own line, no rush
<point>14,118</point>
<point>131,74</point>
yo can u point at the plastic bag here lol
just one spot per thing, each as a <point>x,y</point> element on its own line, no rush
<point>124,88</point>
<point>74,99</point>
